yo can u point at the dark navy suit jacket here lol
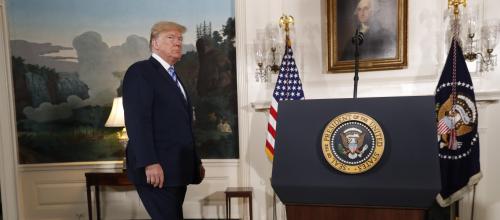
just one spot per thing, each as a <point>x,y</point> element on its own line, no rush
<point>158,120</point>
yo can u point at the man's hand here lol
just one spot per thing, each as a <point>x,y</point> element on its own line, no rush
<point>154,175</point>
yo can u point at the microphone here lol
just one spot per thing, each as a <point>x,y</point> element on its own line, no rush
<point>358,37</point>
<point>357,40</point>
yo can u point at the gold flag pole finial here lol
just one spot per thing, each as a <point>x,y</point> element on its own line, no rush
<point>455,4</point>
<point>285,22</point>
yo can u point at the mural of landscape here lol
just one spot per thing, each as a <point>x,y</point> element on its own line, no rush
<point>69,57</point>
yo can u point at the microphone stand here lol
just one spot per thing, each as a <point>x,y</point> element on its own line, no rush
<point>357,40</point>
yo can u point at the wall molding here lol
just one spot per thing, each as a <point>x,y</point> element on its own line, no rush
<point>482,97</point>
<point>58,191</point>
<point>242,87</point>
<point>488,96</point>
<point>107,165</point>
<point>8,141</point>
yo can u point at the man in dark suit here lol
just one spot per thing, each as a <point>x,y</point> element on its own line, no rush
<point>161,156</point>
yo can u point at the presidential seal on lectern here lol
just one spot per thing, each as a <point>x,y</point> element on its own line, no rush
<point>353,143</point>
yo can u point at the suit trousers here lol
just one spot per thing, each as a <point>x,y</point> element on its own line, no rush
<point>162,204</point>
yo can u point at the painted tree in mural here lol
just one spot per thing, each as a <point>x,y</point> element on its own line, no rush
<point>211,74</point>
<point>68,134</point>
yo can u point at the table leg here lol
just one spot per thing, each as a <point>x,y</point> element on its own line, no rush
<point>228,203</point>
<point>229,210</point>
<point>89,201</point>
<point>250,201</point>
<point>97,201</point>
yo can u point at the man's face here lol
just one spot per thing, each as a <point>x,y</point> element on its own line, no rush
<point>168,45</point>
<point>364,11</point>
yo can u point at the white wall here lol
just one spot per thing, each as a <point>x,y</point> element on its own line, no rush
<point>58,191</point>
<point>426,53</point>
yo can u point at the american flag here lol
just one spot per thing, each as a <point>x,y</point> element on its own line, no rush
<point>288,87</point>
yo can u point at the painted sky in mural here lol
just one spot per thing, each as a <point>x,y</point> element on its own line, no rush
<point>97,35</point>
<point>59,21</point>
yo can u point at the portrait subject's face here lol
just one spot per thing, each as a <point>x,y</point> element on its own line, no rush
<point>364,11</point>
<point>168,45</point>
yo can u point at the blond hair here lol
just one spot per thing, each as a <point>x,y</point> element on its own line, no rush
<point>163,26</point>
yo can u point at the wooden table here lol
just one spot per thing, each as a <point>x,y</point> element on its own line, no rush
<point>244,192</point>
<point>97,179</point>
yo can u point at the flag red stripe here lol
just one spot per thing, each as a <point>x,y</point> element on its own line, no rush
<point>271,130</point>
<point>273,113</point>
<point>442,127</point>
<point>270,147</point>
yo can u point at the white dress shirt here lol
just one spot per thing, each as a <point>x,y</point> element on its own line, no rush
<point>166,66</point>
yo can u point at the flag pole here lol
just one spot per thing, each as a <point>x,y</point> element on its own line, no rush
<point>473,202</point>
<point>455,29</point>
<point>275,216</point>
<point>285,22</point>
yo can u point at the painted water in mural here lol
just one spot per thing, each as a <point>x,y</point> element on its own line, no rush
<point>69,57</point>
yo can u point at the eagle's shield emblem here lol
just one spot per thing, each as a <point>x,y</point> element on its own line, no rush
<point>353,138</point>
<point>353,142</point>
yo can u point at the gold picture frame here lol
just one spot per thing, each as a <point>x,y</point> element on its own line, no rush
<point>384,23</point>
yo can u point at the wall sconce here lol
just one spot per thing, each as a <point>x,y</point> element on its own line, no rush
<point>480,42</point>
<point>267,49</point>
<point>117,119</point>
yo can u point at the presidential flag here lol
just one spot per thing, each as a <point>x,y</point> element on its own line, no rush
<point>457,120</point>
<point>288,87</point>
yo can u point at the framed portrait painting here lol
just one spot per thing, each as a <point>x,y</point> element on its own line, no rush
<point>383,24</point>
